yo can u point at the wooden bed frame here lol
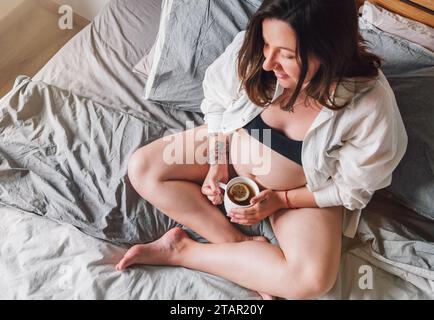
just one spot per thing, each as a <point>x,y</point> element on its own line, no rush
<point>419,10</point>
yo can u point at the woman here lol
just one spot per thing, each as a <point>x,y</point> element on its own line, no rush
<point>300,71</point>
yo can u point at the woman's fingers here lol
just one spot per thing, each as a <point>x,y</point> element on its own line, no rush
<point>243,221</point>
<point>210,191</point>
<point>244,212</point>
<point>241,216</point>
<point>259,198</point>
<point>215,188</point>
<point>212,196</point>
<point>206,190</point>
<point>216,200</point>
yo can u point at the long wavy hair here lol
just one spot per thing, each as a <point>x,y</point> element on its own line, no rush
<point>325,29</point>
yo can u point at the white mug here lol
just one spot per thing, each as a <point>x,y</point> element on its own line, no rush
<point>228,203</point>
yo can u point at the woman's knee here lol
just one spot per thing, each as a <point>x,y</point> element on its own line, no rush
<point>140,165</point>
<point>307,281</point>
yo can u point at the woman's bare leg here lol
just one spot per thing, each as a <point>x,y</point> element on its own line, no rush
<point>306,268</point>
<point>175,248</point>
<point>175,188</point>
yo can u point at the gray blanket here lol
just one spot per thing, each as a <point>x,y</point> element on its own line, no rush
<point>65,157</point>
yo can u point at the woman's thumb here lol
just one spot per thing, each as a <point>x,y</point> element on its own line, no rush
<point>257,198</point>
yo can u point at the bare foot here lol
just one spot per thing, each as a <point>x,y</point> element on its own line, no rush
<point>264,296</point>
<point>257,238</point>
<point>159,252</point>
<point>162,251</point>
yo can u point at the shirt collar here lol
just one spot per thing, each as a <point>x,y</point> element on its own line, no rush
<point>277,92</point>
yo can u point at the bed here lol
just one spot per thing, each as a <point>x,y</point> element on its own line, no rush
<point>63,232</point>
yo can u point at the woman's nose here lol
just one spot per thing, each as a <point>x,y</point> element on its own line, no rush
<point>269,63</point>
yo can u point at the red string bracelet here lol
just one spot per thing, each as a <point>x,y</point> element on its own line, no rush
<point>288,203</point>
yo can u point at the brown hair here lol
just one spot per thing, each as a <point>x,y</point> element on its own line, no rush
<point>325,29</point>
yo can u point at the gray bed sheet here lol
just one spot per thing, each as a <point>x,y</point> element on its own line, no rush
<point>44,258</point>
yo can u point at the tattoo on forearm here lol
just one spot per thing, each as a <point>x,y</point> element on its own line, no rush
<point>219,154</point>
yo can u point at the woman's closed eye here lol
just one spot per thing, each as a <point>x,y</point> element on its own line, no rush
<point>285,56</point>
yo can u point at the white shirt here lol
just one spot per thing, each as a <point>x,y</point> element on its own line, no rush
<point>347,155</point>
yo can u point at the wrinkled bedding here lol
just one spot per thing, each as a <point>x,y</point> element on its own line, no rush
<point>65,158</point>
<point>68,212</point>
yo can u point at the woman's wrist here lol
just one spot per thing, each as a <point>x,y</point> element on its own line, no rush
<point>286,200</point>
<point>282,199</point>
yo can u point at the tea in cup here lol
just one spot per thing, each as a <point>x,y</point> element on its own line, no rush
<point>238,193</point>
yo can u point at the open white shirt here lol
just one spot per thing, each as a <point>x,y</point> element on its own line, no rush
<point>347,155</point>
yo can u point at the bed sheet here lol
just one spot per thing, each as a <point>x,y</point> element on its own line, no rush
<point>97,64</point>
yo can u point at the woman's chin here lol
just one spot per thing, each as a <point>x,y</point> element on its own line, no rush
<point>285,82</point>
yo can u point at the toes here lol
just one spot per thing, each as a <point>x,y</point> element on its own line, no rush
<point>266,296</point>
<point>126,261</point>
<point>259,238</point>
<point>122,265</point>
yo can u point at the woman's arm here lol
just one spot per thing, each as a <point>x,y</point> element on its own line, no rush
<point>221,85</point>
<point>374,145</point>
<point>298,198</point>
<point>217,157</point>
<point>269,201</point>
<point>218,149</point>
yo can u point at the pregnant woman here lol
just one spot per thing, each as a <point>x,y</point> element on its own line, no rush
<point>330,135</point>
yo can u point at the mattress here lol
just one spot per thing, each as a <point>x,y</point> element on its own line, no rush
<point>41,258</point>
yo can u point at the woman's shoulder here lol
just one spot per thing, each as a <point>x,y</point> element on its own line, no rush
<point>374,95</point>
<point>239,37</point>
<point>234,47</point>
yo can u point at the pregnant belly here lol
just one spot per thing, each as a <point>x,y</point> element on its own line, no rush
<point>266,167</point>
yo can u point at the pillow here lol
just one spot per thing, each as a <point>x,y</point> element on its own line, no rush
<point>398,25</point>
<point>188,43</point>
<point>409,69</point>
<point>144,66</point>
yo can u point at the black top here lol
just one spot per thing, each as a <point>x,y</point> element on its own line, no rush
<point>287,147</point>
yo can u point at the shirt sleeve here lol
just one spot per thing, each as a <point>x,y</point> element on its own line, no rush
<point>221,85</point>
<point>366,161</point>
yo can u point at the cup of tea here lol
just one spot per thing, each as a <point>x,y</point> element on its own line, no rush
<point>238,193</point>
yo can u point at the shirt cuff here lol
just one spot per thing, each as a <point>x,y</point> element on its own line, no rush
<point>213,121</point>
<point>327,196</point>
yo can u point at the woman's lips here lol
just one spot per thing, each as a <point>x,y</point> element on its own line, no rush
<point>281,75</point>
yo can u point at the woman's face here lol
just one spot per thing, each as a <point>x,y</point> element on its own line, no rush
<point>280,43</point>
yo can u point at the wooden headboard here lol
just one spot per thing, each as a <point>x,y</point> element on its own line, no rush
<point>419,10</point>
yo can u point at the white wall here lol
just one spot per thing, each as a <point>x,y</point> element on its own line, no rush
<point>6,6</point>
<point>85,8</point>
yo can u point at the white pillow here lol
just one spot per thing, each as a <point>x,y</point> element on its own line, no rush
<point>148,64</point>
<point>393,23</point>
<point>144,66</point>
<point>159,44</point>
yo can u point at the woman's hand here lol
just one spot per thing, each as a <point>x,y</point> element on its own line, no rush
<point>210,187</point>
<point>263,205</point>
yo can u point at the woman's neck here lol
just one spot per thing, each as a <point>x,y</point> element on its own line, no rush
<point>302,100</point>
